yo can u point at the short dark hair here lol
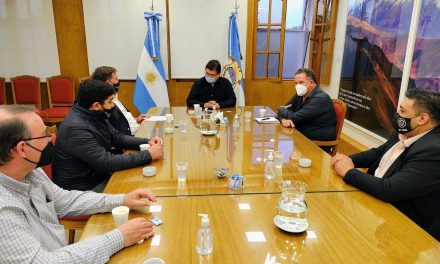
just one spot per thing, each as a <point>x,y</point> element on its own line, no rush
<point>12,130</point>
<point>309,73</point>
<point>214,65</point>
<point>425,101</point>
<point>91,91</point>
<point>103,73</point>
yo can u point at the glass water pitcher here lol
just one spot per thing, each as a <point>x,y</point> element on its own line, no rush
<point>208,125</point>
<point>292,207</point>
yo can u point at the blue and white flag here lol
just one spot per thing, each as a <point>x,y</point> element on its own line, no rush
<point>233,70</point>
<point>151,89</point>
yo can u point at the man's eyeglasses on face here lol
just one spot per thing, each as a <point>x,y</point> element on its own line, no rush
<point>48,136</point>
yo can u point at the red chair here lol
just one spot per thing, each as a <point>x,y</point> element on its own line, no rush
<point>2,91</point>
<point>61,92</point>
<point>340,109</point>
<point>70,223</point>
<point>26,89</point>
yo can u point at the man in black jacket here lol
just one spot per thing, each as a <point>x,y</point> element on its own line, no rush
<point>212,90</point>
<point>311,110</point>
<point>120,118</point>
<point>82,158</point>
<point>404,170</point>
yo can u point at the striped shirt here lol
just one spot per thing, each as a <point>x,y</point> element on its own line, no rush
<point>29,228</point>
<point>130,118</point>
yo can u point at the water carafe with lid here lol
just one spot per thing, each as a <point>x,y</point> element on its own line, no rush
<point>292,208</point>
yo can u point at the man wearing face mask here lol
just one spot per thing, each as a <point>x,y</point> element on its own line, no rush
<point>119,116</point>
<point>404,170</point>
<point>212,90</point>
<point>83,158</point>
<point>311,110</point>
<point>30,203</point>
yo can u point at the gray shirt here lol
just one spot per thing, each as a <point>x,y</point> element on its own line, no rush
<point>29,228</point>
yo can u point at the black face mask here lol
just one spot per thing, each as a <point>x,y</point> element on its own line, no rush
<point>109,111</point>
<point>99,114</point>
<point>116,86</point>
<point>46,155</point>
<point>402,125</point>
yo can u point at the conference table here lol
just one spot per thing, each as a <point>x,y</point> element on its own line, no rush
<point>242,152</point>
<point>345,224</point>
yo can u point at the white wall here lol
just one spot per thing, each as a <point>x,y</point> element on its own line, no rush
<point>115,34</point>
<point>28,43</point>
<point>199,33</point>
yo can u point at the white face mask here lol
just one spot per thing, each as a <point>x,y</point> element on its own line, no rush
<point>301,90</point>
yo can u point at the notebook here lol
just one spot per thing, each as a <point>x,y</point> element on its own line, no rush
<point>267,120</point>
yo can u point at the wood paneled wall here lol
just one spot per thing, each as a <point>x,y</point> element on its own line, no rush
<point>71,38</point>
<point>72,52</point>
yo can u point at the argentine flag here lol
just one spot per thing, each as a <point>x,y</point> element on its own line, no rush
<point>233,71</point>
<point>151,89</point>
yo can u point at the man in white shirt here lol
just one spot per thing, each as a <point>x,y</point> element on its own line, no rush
<point>30,204</point>
<point>404,170</point>
<point>120,118</point>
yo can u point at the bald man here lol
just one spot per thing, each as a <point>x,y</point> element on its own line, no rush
<point>30,203</point>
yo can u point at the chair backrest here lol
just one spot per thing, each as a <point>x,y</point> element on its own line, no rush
<point>340,109</point>
<point>26,90</point>
<point>84,78</point>
<point>61,91</point>
<point>2,91</point>
<point>48,168</point>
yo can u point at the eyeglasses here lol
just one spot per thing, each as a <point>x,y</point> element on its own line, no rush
<point>48,136</point>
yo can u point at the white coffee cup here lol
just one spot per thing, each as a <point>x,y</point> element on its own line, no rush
<point>169,118</point>
<point>247,115</point>
<point>262,112</point>
<point>120,214</point>
<point>144,147</point>
<point>305,163</point>
<point>149,171</point>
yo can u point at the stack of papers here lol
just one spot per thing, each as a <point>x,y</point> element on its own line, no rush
<point>267,120</point>
<point>155,118</point>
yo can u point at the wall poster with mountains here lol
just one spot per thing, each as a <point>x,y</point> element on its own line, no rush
<point>374,55</point>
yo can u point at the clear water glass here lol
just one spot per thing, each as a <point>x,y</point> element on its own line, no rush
<point>181,169</point>
<point>279,159</point>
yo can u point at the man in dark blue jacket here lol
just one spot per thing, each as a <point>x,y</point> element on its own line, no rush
<point>311,110</point>
<point>83,158</point>
<point>404,170</point>
<point>212,90</point>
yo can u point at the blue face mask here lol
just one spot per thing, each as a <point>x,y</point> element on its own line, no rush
<point>210,79</point>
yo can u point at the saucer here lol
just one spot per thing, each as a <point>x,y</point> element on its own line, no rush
<point>209,133</point>
<point>154,261</point>
<point>290,227</point>
<point>149,171</point>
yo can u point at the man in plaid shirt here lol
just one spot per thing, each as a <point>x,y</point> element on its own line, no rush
<point>30,203</point>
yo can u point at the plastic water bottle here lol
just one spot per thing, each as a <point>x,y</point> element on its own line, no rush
<point>204,244</point>
<point>269,167</point>
<point>236,123</point>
